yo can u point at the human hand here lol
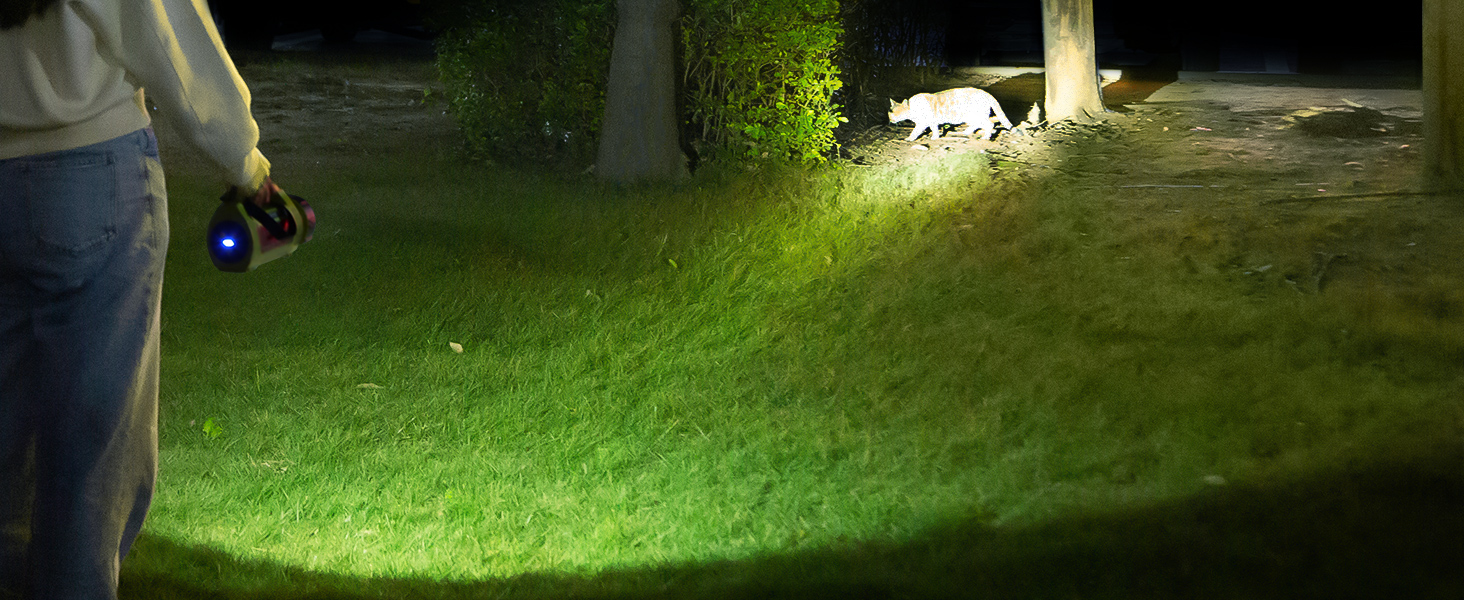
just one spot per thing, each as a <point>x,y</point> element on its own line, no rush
<point>266,191</point>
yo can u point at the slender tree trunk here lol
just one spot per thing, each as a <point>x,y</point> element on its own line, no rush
<point>1443,92</point>
<point>1071,58</point>
<point>638,140</point>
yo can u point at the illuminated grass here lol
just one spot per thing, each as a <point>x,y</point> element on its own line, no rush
<point>741,367</point>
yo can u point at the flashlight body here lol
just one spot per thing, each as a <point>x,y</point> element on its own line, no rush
<point>243,236</point>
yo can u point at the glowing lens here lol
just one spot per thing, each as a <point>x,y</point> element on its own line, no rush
<point>228,242</point>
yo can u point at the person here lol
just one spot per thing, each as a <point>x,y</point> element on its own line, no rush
<point>83,234</point>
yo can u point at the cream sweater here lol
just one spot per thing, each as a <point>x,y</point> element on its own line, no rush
<point>75,75</point>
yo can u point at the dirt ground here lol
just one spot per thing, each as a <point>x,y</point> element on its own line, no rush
<point>1313,180</point>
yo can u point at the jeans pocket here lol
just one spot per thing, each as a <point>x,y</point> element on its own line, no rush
<point>73,201</point>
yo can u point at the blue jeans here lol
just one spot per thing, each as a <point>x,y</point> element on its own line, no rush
<point>83,234</point>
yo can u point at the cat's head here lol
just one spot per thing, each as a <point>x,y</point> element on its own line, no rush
<point>898,110</point>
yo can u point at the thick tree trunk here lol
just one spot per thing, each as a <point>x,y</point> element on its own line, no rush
<point>1071,59</point>
<point>638,140</point>
<point>1443,92</point>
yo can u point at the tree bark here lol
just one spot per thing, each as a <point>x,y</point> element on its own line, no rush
<point>1070,54</point>
<point>638,140</point>
<point>1443,93</point>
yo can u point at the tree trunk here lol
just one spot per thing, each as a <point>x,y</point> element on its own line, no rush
<point>638,140</point>
<point>1443,92</point>
<point>1072,61</point>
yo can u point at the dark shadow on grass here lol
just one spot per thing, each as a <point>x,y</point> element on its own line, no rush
<point>1391,526</point>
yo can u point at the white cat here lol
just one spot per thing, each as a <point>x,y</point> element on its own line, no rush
<point>960,105</point>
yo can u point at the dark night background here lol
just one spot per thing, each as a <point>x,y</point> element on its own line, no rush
<point>1308,36</point>
<point>1300,36</point>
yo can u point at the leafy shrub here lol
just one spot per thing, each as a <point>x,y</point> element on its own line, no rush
<point>760,76</point>
<point>526,78</point>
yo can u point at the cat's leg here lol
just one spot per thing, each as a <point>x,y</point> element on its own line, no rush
<point>1001,118</point>
<point>915,134</point>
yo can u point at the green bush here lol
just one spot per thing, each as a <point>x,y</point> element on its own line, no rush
<point>760,76</point>
<point>527,79</point>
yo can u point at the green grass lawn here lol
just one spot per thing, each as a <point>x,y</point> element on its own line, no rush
<point>895,382</point>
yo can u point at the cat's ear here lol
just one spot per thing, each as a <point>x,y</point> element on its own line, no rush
<point>892,103</point>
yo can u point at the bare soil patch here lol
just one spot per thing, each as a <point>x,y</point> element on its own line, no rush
<point>323,110</point>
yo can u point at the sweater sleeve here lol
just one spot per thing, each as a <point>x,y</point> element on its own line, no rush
<point>172,50</point>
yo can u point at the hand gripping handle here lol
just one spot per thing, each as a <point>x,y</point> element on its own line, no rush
<point>280,229</point>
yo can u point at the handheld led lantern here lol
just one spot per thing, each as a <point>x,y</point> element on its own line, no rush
<point>243,235</point>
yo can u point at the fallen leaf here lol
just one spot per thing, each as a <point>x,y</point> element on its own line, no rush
<point>368,386</point>
<point>456,347</point>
